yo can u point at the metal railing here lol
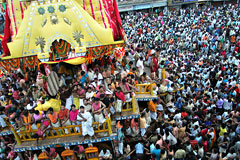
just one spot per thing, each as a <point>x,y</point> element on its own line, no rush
<point>130,106</point>
<point>60,131</point>
<point>166,93</point>
<point>144,88</point>
<point>148,89</point>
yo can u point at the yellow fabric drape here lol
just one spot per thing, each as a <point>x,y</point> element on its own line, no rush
<point>54,103</point>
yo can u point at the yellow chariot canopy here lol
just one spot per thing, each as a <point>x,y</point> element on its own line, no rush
<point>46,22</point>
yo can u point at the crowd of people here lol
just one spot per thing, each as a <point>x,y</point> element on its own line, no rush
<point>197,49</point>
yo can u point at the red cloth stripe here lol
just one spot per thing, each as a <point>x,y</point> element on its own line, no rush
<point>10,27</point>
<point>25,5</point>
<point>100,7</point>
<point>118,18</point>
<point>22,9</point>
<point>84,5</point>
<point>93,15</point>
<point>105,5</point>
<point>14,18</point>
<point>6,34</point>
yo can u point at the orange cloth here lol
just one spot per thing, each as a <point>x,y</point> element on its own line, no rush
<point>27,120</point>
<point>200,63</point>
<point>149,54</point>
<point>134,124</point>
<point>214,138</point>
<point>205,38</point>
<point>233,39</point>
<point>119,125</point>
<point>130,73</point>
<point>113,69</point>
<point>63,114</point>
<point>152,107</point>
<point>53,117</point>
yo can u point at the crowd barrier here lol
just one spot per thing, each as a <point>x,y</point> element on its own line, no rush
<point>166,93</point>
<point>144,88</point>
<point>130,106</point>
<point>59,132</point>
<point>148,89</point>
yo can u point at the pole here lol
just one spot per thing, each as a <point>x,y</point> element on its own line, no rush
<point>133,104</point>
<point>151,88</point>
<point>109,124</point>
<point>16,136</point>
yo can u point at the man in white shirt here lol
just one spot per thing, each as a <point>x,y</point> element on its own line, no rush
<point>31,105</point>
<point>227,104</point>
<point>140,66</point>
<point>105,154</point>
<point>86,119</point>
<point>90,74</point>
<point>98,76</point>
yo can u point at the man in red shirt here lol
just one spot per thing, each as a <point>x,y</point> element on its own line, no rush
<point>120,99</point>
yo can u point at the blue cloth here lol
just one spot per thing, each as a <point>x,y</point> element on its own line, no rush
<point>157,153</point>
<point>179,104</point>
<point>225,80</point>
<point>152,147</point>
<point>139,148</point>
<point>166,62</point>
<point>199,139</point>
<point>208,123</point>
<point>83,79</point>
<point>237,130</point>
<point>120,135</point>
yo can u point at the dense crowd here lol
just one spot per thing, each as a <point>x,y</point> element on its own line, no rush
<point>197,49</point>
